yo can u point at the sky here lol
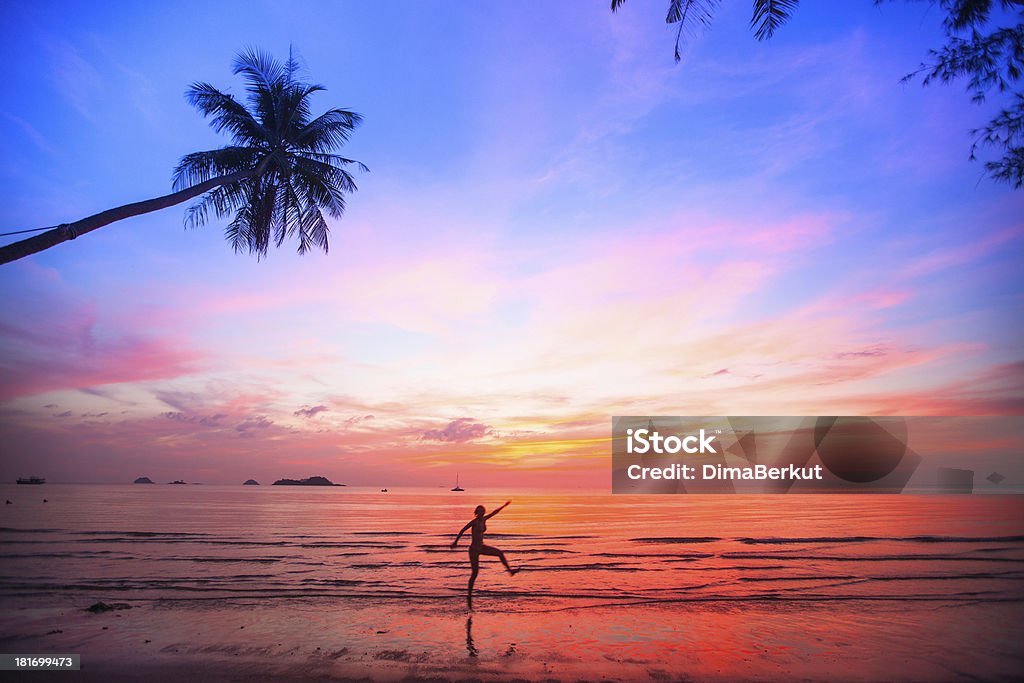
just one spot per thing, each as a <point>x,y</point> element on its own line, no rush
<point>560,224</point>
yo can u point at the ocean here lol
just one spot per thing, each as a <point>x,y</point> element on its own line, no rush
<point>620,567</point>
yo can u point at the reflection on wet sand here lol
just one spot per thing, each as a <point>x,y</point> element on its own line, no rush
<point>470,647</point>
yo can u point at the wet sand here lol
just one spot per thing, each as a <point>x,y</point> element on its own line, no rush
<point>850,640</point>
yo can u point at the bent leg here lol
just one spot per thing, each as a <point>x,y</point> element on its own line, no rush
<point>494,552</point>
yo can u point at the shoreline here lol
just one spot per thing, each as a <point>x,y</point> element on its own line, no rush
<point>389,640</point>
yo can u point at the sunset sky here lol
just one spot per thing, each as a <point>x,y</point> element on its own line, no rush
<point>560,224</point>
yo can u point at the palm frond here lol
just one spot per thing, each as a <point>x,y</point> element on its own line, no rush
<point>222,201</point>
<point>259,69</point>
<point>291,67</point>
<point>331,129</point>
<point>290,213</point>
<point>690,15</point>
<point>333,159</point>
<point>324,185</point>
<point>238,232</point>
<point>198,167</point>
<point>226,112</point>
<point>769,15</point>
<point>313,231</point>
<point>296,104</point>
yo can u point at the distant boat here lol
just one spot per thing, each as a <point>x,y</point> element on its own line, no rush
<point>457,487</point>
<point>31,480</point>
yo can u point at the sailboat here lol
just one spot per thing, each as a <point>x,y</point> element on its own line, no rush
<point>457,487</point>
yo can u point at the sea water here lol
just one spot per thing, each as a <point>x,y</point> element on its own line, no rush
<point>161,542</point>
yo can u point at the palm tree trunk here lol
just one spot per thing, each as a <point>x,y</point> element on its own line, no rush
<point>69,231</point>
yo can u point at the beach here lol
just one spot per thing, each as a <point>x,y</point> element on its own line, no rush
<point>267,583</point>
<point>725,298</point>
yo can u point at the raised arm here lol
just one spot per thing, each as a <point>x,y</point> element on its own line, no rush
<point>464,530</point>
<point>498,510</point>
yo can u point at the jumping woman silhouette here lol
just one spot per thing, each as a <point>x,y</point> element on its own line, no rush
<point>477,547</point>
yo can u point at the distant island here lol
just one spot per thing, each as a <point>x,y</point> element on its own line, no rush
<point>177,481</point>
<point>310,481</point>
<point>143,480</point>
<point>251,482</point>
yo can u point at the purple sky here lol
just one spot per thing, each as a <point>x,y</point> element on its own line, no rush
<point>560,225</point>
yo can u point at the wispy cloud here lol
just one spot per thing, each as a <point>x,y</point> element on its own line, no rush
<point>41,142</point>
<point>74,77</point>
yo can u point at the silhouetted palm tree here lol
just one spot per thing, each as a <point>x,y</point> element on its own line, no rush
<point>277,178</point>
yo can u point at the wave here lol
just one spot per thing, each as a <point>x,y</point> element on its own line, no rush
<point>591,566</point>
<point>26,542</point>
<point>871,539</point>
<point>229,542</point>
<point>553,544</point>
<point>345,590</point>
<point>817,539</point>
<point>82,554</point>
<point>677,539</point>
<point>867,558</point>
<point>139,534</point>
<point>229,560</point>
<point>170,539</point>
<point>446,547</point>
<point>1001,576</point>
<point>837,577</point>
<point>749,568</point>
<point>351,544</point>
<point>652,555</point>
<point>1010,576</point>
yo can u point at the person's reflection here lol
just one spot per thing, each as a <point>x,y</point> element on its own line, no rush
<point>470,647</point>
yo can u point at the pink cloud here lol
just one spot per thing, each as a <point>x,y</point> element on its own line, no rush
<point>458,431</point>
<point>951,257</point>
<point>310,411</point>
<point>67,365</point>
<point>995,390</point>
<point>54,338</point>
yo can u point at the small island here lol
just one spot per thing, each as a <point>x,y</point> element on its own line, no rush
<point>309,481</point>
<point>177,481</point>
<point>143,480</point>
<point>251,482</point>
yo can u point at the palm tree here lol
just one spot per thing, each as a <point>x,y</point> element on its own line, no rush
<point>277,178</point>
